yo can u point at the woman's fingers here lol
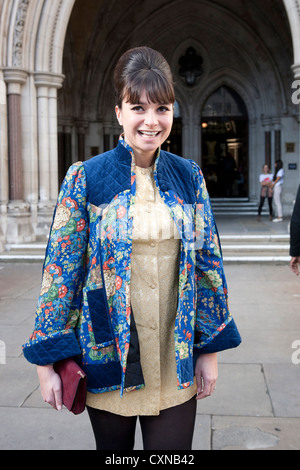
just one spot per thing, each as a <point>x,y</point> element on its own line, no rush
<point>51,387</point>
<point>206,389</point>
<point>206,373</point>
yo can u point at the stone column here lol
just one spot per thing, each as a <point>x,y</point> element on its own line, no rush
<point>185,139</point>
<point>277,137</point>
<point>108,135</point>
<point>197,141</point>
<point>268,148</point>
<point>47,85</point>
<point>19,227</point>
<point>296,71</point>
<point>255,160</point>
<point>293,12</point>
<point>53,143</point>
<point>81,127</point>
<point>3,161</point>
<point>267,124</point>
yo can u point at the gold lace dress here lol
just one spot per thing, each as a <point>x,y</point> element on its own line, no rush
<point>154,288</point>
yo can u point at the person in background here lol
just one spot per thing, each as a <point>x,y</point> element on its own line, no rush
<point>278,180</point>
<point>295,236</point>
<point>265,179</point>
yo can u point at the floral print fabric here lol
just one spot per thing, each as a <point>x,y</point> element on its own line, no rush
<point>85,300</point>
<point>154,290</point>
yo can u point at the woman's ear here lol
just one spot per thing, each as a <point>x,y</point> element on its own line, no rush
<point>119,115</point>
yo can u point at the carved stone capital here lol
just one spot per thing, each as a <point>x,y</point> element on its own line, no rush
<point>47,79</point>
<point>296,70</point>
<point>15,78</point>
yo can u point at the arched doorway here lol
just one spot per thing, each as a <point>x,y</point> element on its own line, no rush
<point>224,127</point>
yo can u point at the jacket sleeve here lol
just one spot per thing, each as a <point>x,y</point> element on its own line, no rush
<point>295,228</point>
<point>215,329</point>
<point>59,302</point>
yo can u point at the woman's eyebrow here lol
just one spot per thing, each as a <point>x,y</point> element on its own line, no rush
<point>147,103</point>
<point>136,103</point>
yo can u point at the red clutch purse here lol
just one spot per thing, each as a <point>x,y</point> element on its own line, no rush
<point>74,384</point>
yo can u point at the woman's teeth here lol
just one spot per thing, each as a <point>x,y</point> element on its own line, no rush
<point>148,133</point>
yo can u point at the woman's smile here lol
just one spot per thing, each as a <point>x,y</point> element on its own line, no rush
<point>146,126</point>
<point>149,133</point>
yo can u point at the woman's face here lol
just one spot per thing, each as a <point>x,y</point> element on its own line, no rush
<point>146,126</point>
<point>266,169</point>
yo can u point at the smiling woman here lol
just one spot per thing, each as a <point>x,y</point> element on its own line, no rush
<point>145,100</point>
<point>133,277</point>
<point>146,126</point>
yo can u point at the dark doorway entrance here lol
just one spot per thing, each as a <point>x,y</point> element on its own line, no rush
<point>174,143</point>
<point>224,126</point>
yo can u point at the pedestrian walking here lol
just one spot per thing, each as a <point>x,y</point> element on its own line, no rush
<point>133,281</point>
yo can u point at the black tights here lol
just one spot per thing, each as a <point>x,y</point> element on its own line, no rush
<point>172,429</point>
<point>262,200</point>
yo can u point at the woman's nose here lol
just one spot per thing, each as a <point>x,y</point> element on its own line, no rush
<point>151,118</point>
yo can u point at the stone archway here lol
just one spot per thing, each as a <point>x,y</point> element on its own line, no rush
<point>32,38</point>
<point>32,41</point>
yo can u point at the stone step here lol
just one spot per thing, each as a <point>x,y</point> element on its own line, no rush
<point>23,252</point>
<point>255,248</point>
<point>235,249</point>
<point>236,206</point>
<point>239,259</point>
<point>260,243</point>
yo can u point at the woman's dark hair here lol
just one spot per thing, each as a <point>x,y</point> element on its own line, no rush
<point>279,165</point>
<point>143,69</point>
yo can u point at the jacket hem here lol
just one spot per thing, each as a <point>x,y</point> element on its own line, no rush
<point>103,377</point>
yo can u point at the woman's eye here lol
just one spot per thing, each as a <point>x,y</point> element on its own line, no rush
<point>163,109</point>
<point>137,108</point>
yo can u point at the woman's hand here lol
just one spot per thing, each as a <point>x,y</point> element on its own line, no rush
<point>51,388</point>
<point>206,372</point>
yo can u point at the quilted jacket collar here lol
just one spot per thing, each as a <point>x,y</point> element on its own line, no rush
<point>172,174</point>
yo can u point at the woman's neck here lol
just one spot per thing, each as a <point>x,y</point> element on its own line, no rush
<point>145,161</point>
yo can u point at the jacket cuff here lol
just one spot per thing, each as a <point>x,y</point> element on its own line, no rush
<point>228,338</point>
<point>52,349</point>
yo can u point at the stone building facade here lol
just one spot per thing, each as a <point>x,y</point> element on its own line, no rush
<point>237,74</point>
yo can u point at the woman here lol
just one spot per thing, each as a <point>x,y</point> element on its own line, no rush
<point>277,186</point>
<point>265,179</point>
<point>133,280</point>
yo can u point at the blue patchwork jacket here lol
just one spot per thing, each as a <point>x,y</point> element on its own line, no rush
<point>84,308</point>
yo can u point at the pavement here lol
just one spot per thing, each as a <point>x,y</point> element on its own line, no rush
<point>256,404</point>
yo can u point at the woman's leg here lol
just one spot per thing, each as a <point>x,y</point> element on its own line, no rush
<point>112,432</point>
<point>262,200</point>
<point>270,200</point>
<point>277,200</point>
<point>172,429</point>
